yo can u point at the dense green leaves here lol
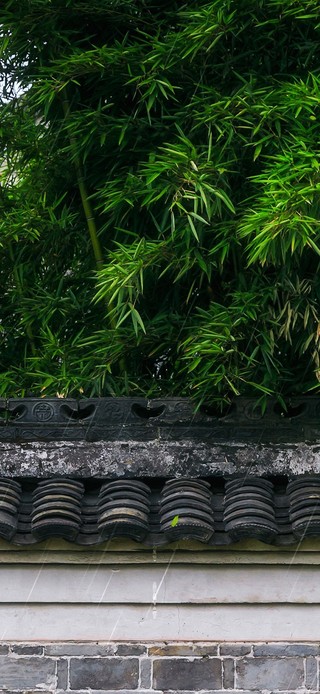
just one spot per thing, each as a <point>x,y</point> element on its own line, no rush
<point>160,182</point>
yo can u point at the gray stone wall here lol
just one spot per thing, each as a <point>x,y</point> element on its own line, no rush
<point>158,668</point>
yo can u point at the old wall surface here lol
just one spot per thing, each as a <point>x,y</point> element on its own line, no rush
<point>168,602</point>
<point>184,617</point>
<point>125,619</point>
<point>160,667</point>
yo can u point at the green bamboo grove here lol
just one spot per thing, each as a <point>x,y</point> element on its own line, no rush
<point>160,189</point>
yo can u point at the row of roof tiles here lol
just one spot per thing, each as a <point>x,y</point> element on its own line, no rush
<point>214,511</point>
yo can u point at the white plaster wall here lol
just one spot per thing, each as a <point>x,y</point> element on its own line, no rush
<point>167,602</point>
<point>160,585</point>
<point>164,623</point>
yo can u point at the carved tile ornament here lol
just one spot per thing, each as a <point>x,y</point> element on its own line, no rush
<point>213,511</point>
<point>169,419</point>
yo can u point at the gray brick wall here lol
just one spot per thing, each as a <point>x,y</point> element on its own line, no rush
<point>159,668</point>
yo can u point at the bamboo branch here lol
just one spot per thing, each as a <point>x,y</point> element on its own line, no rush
<point>29,331</point>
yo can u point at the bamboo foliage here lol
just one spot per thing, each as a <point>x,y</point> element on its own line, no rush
<point>160,181</point>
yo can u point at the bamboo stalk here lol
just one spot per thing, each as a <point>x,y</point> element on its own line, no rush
<point>89,215</point>
<point>86,204</point>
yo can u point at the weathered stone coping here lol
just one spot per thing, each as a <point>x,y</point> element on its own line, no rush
<point>137,437</point>
<point>183,458</point>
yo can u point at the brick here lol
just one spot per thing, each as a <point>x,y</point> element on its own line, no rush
<point>187,674</point>
<point>235,649</point>
<point>228,673</point>
<point>27,650</point>
<point>286,649</point>
<point>190,691</point>
<point>90,649</point>
<point>151,691</point>
<point>104,673</point>
<point>123,691</point>
<point>145,673</point>
<point>191,649</point>
<point>16,673</point>
<point>62,674</point>
<point>269,673</point>
<point>311,673</point>
<point>131,649</point>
